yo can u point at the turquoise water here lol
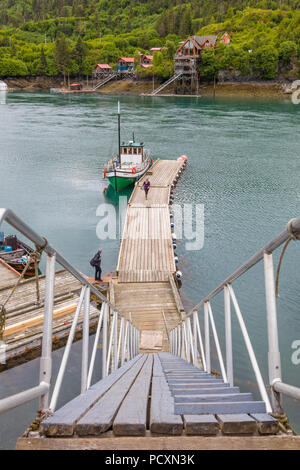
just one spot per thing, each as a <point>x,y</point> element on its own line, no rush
<point>244,166</point>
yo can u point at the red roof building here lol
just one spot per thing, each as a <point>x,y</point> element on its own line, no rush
<point>125,64</point>
<point>103,68</point>
<point>146,60</point>
<point>225,39</point>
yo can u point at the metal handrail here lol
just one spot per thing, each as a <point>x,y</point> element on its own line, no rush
<point>126,345</point>
<point>183,345</point>
<point>269,248</point>
<point>11,218</point>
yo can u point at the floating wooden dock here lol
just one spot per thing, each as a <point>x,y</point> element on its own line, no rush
<point>145,286</point>
<point>24,318</point>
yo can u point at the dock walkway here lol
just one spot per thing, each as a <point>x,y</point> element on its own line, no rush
<point>145,286</point>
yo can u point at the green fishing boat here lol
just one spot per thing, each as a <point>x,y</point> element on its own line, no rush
<point>131,163</point>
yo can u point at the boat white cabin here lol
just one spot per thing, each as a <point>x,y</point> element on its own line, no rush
<point>132,153</point>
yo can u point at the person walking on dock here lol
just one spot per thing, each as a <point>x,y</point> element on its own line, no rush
<point>146,186</point>
<point>96,263</point>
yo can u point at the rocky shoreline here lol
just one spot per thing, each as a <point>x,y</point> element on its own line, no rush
<point>263,89</point>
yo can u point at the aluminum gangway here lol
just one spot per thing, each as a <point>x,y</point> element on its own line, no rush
<point>190,405</point>
<point>165,84</point>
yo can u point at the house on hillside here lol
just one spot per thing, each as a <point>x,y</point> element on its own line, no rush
<point>146,60</point>
<point>155,49</point>
<point>125,64</point>
<point>103,68</point>
<point>225,39</point>
<point>188,54</point>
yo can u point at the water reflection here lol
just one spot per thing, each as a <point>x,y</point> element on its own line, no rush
<point>3,95</point>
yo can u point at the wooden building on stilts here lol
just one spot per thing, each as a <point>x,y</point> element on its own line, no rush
<point>187,62</point>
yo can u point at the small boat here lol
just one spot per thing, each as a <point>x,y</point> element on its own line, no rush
<point>131,163</point>
<point>16,254</point>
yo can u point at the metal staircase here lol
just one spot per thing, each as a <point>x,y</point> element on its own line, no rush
<point>165,84</point>
<point>196,392</point>
<point>104,81</point>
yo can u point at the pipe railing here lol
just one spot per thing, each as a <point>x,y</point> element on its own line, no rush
<point>187,342</point>
<point>119,344</point>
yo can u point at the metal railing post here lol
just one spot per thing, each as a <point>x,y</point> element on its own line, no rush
<point>179,340</point>
<point>110,343</point>
<point>182,341</point>
<point>228,336</point>
<point>200,342</point>
<point>46,358</point>
<point>207,342</point>
<point>191,341</point>
<point>96,341</point>
<point>121,338</point>
<point>115,350</point>
<point>125,345</point>
<point>104,341</point>
<point>67,350</point>
<point>217,343</point>
<point>85,340</point>
<point>273,343</point>
<point>195,340</point>
<point>250,350</point>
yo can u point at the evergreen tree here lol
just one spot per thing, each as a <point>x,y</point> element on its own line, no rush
<point>43,62</point>
<point>63,56</point>
<point>186,25</point>
<point>79,54</point>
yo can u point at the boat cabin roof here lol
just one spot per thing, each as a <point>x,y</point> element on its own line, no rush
<point>132,144</point>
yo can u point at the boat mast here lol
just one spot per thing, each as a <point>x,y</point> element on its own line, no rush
<point>119,130</point>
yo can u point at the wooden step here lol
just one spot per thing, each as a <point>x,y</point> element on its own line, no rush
<point>100,417</point>
<point>237,423</point>
<point>201,425</point>
<point>197,391</point>
<point>203,384</point>
<point>205,398</point>
<point>63,421</point>
<point>220,407</point>
<point>131,419</point>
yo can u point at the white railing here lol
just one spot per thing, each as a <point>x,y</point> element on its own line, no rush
<point>186,338</point>
<point>120,338</point>
<point>111,165</point>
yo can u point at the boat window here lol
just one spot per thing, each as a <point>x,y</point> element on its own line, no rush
<point>134,151</point>
<point>125,150</point>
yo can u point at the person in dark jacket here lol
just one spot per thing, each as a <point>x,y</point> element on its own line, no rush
<point>96,262</point>
<point>146,186</point>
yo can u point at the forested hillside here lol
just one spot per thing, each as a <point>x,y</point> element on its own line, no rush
<point>52,37</point>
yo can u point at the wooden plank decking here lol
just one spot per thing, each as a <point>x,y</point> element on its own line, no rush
<point>24,318</point>
<point>146,258</point>
<point>118,406</point>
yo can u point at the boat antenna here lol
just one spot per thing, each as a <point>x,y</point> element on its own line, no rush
<point>133,136</point>
<point>119,130</point>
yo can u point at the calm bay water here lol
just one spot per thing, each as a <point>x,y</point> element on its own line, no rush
<point>244,166</point>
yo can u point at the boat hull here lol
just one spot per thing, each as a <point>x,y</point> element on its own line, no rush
<point>120,180</point>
